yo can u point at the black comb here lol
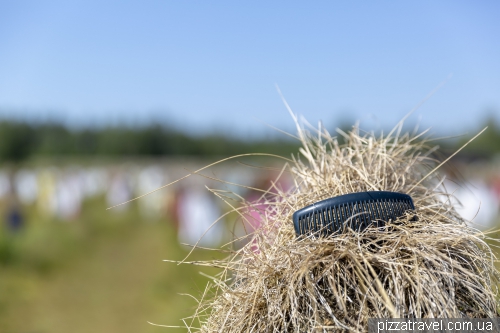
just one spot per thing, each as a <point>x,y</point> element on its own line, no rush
<point>354,210</point>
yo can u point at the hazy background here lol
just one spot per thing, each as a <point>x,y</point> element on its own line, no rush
<point>104,101</point>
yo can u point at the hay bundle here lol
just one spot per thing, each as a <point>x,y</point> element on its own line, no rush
<point>436,266</point>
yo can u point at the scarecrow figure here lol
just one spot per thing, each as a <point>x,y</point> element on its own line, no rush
<point>372,239</point>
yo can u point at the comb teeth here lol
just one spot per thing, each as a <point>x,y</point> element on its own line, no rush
<point>355,210</point>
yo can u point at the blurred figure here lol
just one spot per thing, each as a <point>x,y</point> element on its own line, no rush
<point>171,206</point>
<point>15,220</point>
<point>46,183</point>
<point>69,195</point>
<point>94,181</point>
<point>150,179</point>
<point>259,200</point>
<point>495,184</point>
<point>257,213</point>
<point>119,191</point>
<point>26,186</point>
<point>197,212</point>
<point>238,176</point>
<point>257,203</point>
<point>13,214</point>
<point>475,202</point>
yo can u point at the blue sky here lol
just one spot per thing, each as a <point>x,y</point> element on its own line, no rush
<point>213,65</point>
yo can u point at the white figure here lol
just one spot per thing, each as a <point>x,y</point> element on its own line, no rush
<point>26,186</point>
<point>150,179</point>
<point>119,192</point>
<point>197,212</point>
<point>94,181</point>
<point>475,202</point>
<point>69,194</point>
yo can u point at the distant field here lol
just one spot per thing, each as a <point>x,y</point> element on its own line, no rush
<point>100,273</point>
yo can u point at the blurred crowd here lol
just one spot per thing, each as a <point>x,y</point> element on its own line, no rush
<point>59,193</point>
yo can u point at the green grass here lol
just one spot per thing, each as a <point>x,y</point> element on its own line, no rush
<point>101,273</point>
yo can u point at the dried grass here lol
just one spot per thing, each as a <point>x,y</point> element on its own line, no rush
<point>436,267</point>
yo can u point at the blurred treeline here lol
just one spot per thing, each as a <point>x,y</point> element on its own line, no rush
<point>20,141</point>
<point>487,144</point>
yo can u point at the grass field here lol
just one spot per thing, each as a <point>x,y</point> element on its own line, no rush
<point>100,273</point>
